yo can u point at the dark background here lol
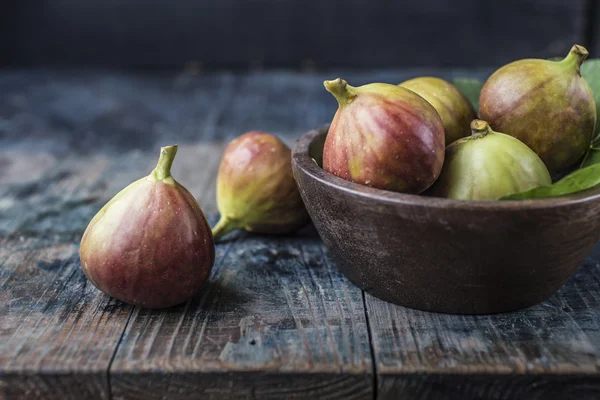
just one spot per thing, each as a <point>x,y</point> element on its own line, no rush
<point>292,34</point>
<point>88,76</point>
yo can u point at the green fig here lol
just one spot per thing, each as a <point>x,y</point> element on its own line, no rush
<point>383,136</point>
<point>256,189</point>
<point>545,104</point>
<point>150,245</point>
<point>488,165</point>
<point>453,107</point>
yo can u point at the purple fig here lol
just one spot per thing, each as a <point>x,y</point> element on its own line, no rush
<point>545,104</point>
<point>384,136</point>
<point>454,108</point>
<point>256,190</point>
<point>150,245</point>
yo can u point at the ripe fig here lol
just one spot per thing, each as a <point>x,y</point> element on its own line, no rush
<point>545,104</point>
<point>150,245</point>
<point>487,166</point>
<point>384,136</point>
<point>256,190</point>
<point>454,108</point>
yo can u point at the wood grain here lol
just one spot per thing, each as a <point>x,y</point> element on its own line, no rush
<point>54,324</point>
<point>276,321</point>
<point>52,114</point>
<point>550,351</point>
<point>58,333</point>
<point>491,387</point>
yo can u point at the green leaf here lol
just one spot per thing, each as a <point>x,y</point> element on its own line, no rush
<point>471,88</point>
<point>581,179</point>
<point>590,70</point>
<point>591,157</point>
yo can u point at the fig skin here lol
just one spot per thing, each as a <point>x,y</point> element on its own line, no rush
<point>150,245</point>
<point>546,104</point>
<point>488,165</point>
<point>384,136</point>
<point>256,189</point>
<point>453,107</point>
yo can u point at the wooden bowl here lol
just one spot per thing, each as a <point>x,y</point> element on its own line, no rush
<point>436,254</point>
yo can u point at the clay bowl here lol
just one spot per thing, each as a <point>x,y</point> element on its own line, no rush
<point>465,257</point>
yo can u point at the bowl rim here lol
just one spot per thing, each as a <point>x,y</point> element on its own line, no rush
<point>302,159</point>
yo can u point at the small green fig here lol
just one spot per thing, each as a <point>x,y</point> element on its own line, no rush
<point>383,136</point>
<point>150,245</point>
<point>488,165</point>
<point>453,107</point>
<point>545,104</point>
<point>256,189</point>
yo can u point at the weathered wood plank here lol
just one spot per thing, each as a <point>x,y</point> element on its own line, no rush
<point>47,115</point>
<point>276,321</point>
<point>240,385</point>
<point>88,113</point>
<point>54,324</point>
<point>58,333</point>
<point>419,355</point>
<point>491,387</point>
<point>250,319</point>
<point>196,168</point>
<point>53,385</point>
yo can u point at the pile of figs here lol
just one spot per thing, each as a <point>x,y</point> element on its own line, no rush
<point>534,120</point>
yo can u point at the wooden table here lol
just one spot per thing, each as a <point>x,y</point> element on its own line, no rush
<point>277,319</point>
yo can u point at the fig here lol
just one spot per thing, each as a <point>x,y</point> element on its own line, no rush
<point>150,245</point>
<point>546,104</point>
<point>383,136</point>
<point>453,107</point>
<point>256,190</point>
<point>488,165</point>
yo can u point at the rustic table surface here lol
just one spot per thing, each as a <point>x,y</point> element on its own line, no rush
<point>277,318</point>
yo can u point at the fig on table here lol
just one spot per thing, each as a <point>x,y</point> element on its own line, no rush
<point>151,244</point>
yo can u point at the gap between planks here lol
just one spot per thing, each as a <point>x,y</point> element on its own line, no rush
<point>203,191</point>
<point>371,347</point>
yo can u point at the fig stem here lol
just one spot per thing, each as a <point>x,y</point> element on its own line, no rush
<point>479,127</point>
<point>223,227</point>
<point>576,57</point>
<point>162,170</point>
<point>340,89</point>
